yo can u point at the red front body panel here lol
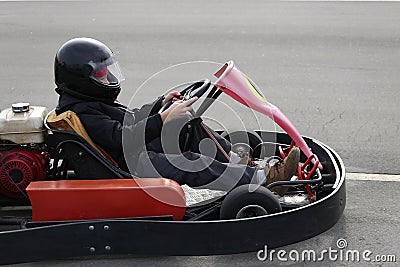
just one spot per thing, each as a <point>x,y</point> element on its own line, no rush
<point>110,198</point>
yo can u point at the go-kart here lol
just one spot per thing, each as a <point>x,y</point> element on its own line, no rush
<point>63,197</point>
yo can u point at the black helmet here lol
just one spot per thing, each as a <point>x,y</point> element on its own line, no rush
<point>87,69</point>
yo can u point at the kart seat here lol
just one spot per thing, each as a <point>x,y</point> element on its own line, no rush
<point>68,141</point>
<point>98,188</point>
<point>69,121</point>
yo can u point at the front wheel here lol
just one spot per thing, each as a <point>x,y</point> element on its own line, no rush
<point>248,201</point>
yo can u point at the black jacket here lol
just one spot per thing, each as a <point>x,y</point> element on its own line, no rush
<point>105,124</point>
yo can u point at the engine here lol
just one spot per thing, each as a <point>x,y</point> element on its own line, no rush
<point>23,157</point>
<point>19,167</point>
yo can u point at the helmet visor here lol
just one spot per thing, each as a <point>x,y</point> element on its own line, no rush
<point>106,72</point>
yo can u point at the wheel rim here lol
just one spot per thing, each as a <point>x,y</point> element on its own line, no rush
<point>251,211</point>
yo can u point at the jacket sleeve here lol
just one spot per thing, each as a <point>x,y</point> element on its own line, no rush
<point>108,132</point>
<point>148,109</point>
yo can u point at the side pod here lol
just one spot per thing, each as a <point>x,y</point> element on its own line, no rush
<point>71,200</point>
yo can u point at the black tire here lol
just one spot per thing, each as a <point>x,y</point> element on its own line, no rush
<point>249,201</point>
<point>247,137</point>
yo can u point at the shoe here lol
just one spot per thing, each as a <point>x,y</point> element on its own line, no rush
<point>247,160</point>
<point>244,160</point>
<point>283,170</point>
<point>244,151</point>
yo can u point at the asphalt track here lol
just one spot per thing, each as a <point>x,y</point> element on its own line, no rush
<point>331,67</point>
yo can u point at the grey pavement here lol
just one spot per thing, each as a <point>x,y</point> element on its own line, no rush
<point>331,67</point>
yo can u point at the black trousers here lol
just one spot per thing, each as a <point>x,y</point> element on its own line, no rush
<point>185,153</point>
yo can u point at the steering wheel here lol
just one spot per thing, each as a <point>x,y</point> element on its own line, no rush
<point>195,89</point>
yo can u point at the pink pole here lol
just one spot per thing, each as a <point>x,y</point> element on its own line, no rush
<point>238,86</point>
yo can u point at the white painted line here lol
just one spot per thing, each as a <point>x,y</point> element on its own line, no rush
<point>45,0</point>
<point>372,177</point>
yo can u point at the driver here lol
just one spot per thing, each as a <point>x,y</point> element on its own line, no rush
<point>88,80</point>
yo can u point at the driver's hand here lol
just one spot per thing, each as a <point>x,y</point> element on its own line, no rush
<point>177,110</point>
<point>174,95</point>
